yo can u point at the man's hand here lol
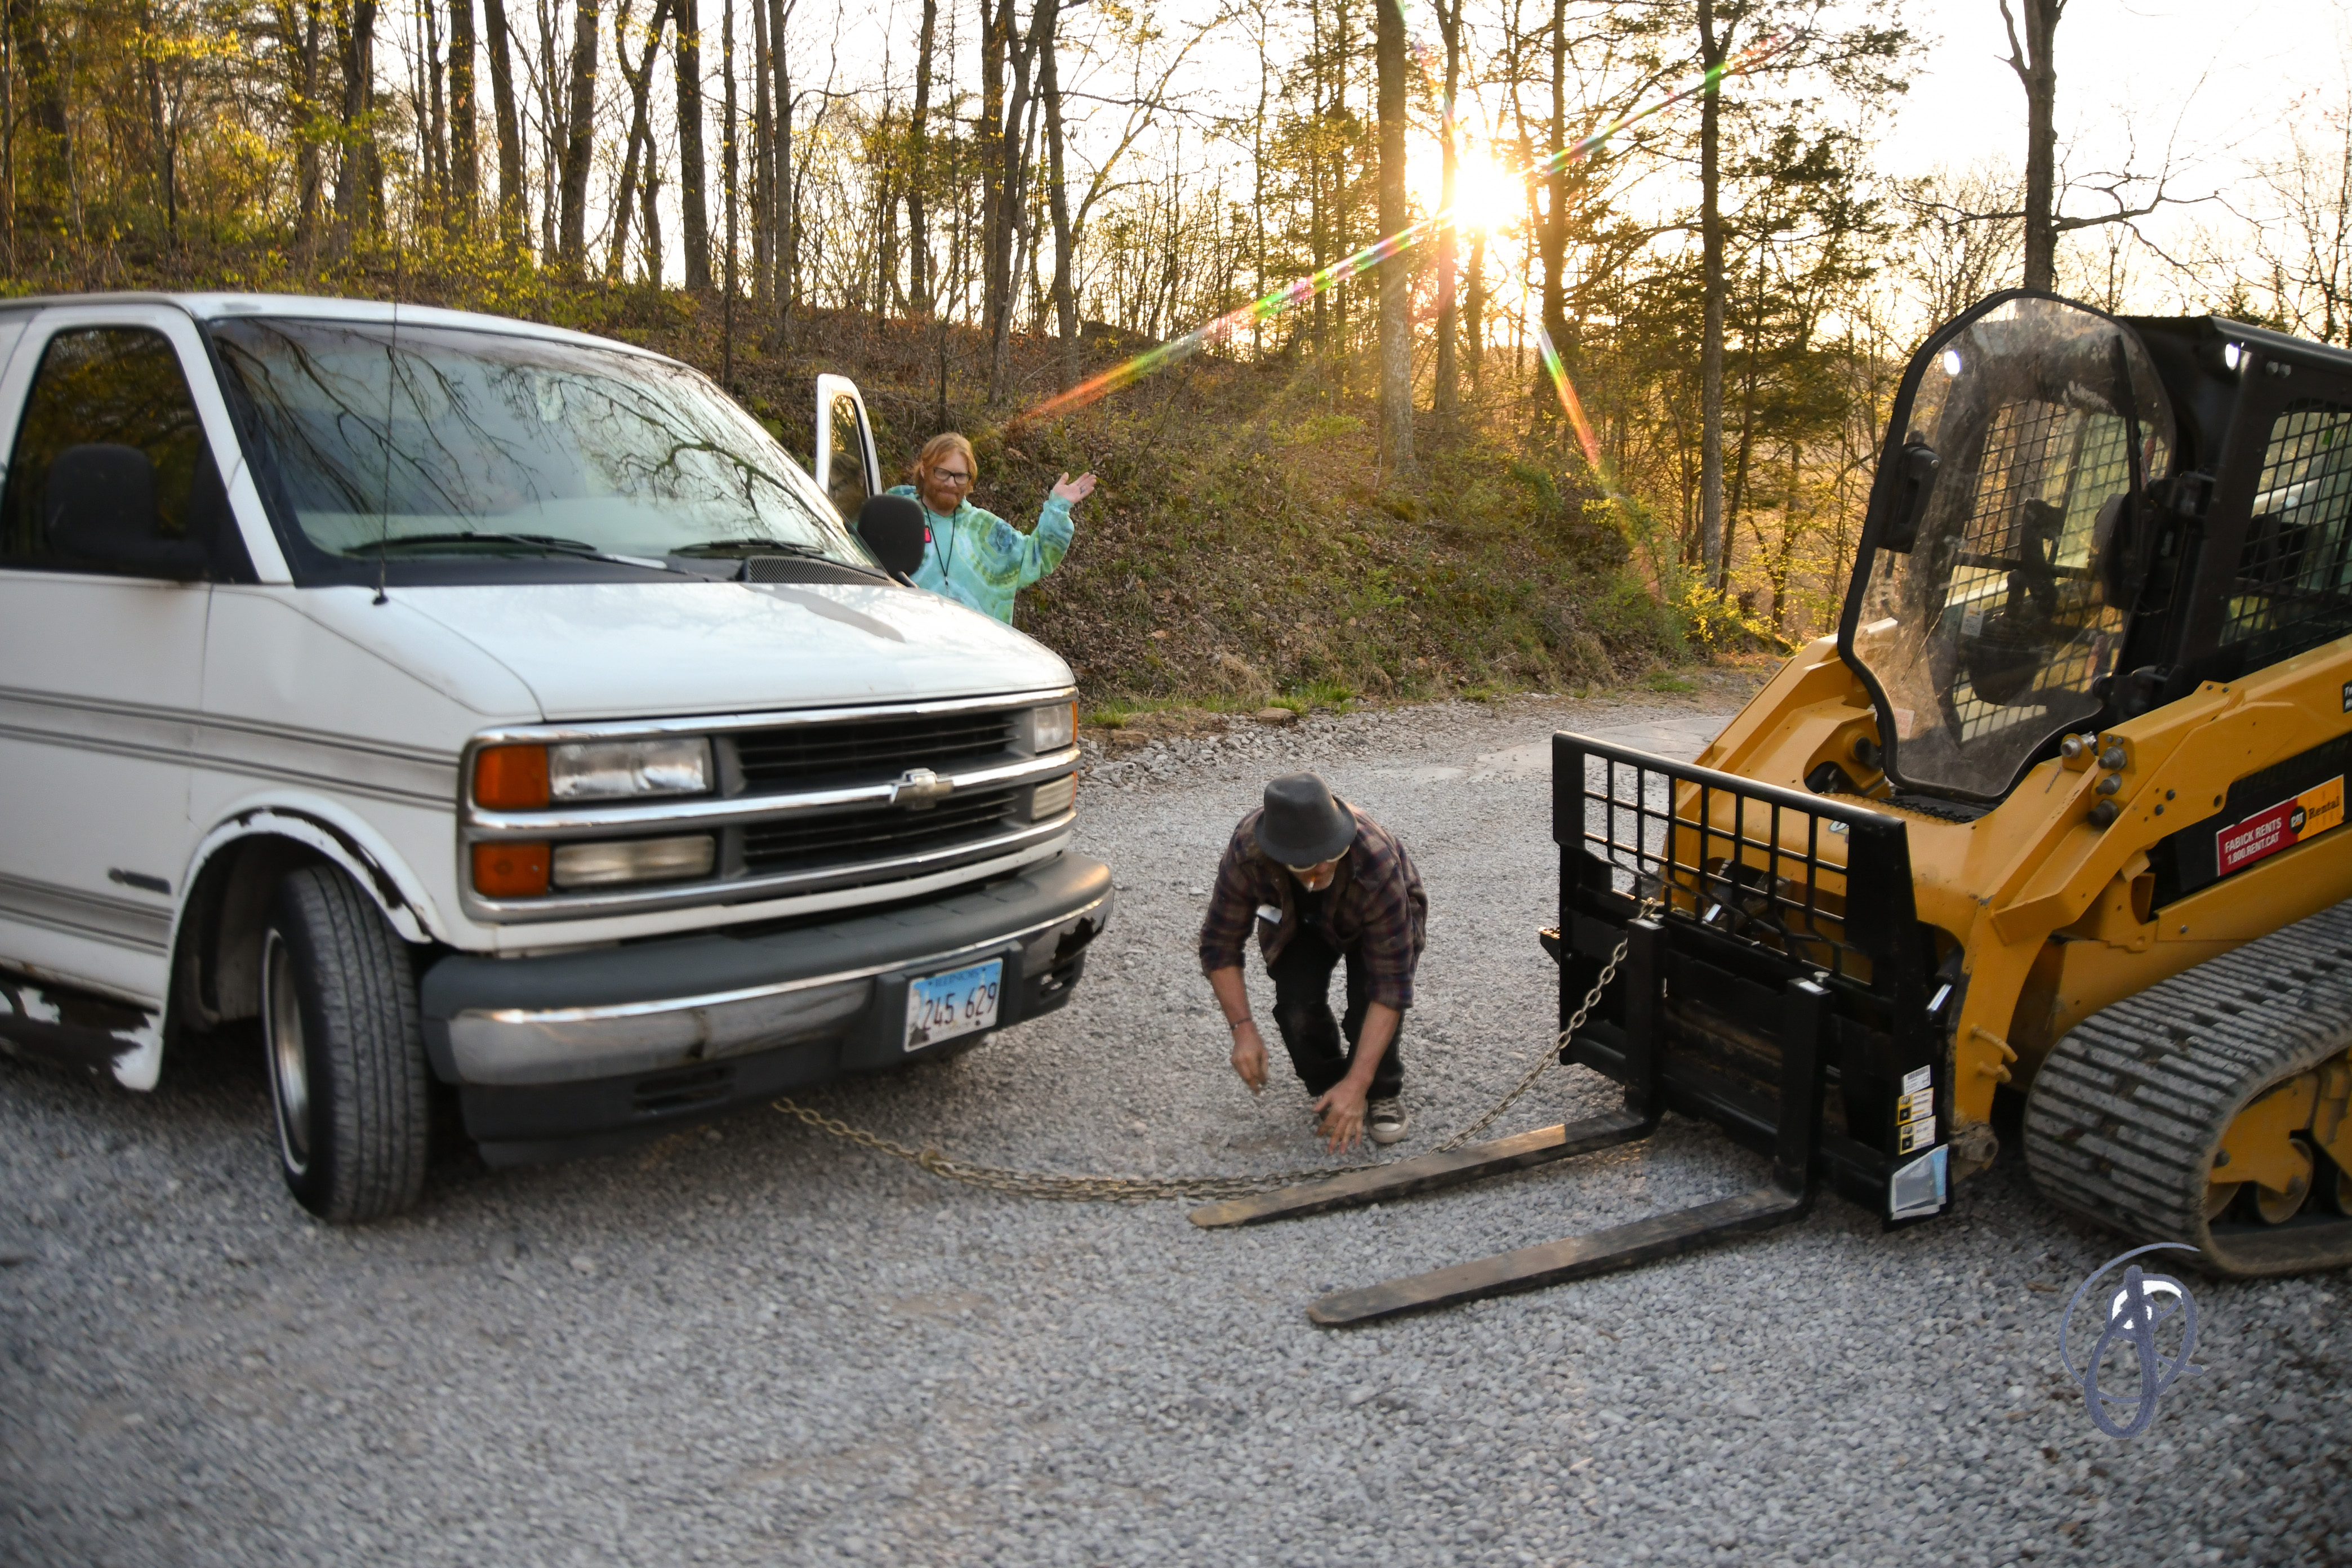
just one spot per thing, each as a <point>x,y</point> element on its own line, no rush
<point>1249,1054</point>
<point>1341,1108</point>
<point>1075,490</point>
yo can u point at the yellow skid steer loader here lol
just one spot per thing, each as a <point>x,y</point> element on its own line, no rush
<point>2058,811</point>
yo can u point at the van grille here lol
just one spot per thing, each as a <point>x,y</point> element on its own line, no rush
<point>849,838</point>
<point>855,750</point>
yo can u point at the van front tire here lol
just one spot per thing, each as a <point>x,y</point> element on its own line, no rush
<point>344,1048</point>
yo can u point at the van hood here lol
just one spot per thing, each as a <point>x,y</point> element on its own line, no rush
<point>633,650</point>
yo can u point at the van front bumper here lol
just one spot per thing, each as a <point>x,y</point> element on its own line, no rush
<point>577,1052</point>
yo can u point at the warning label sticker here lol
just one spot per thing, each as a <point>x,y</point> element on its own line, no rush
<point>2280,827</point>
<point>1916,1106</point>
<point>1913,1135</point>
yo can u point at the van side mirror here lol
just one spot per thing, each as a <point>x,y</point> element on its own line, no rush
<point>893,530</point>
<point>100,510</point>
<point>1915,481</point>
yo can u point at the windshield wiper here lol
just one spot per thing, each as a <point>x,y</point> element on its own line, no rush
<point>753,546</point>
<point>545,543</point>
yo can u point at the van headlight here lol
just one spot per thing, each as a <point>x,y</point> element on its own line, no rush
<point>602,770</point>
<point>524,778</point>
<point>1050,728</point>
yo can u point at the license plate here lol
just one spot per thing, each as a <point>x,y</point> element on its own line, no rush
<point>941,1006</point>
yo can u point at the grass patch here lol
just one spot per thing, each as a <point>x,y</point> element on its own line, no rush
<point>1667,680</point>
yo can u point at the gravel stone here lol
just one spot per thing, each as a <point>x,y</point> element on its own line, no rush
<point>786,1349</point>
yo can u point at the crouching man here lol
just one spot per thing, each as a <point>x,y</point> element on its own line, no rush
<point>1321,881</point>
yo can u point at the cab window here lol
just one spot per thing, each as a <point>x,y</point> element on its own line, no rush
<point>120,385</point>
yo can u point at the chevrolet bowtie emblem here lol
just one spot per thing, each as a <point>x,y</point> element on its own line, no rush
<point>920,789</point>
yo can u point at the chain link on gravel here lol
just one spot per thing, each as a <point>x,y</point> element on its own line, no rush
<point>1149,1189</point>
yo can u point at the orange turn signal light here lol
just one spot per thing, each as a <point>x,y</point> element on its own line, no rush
<point>512,868</point>
<point>510,778</point>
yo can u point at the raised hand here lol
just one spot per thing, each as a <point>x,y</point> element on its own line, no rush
<point>1075,490</point>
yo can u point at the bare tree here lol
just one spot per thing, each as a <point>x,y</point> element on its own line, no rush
<point>1396,272</point>
<point>2308,254</point>
<point>1958,255</point>
<point>464,158</point>
<point>1449,25</point>
<point>692,179</point>
<point>919,266</point>
<point>1065,299</point>
<point>512,214</point>
<point>639,144</point>
<point>359,184</point>
<point>580,141</point>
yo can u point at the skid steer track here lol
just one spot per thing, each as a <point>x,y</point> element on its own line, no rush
<point>2123,1119</point>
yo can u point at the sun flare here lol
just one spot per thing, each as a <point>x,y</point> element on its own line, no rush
<point>1486,196</point>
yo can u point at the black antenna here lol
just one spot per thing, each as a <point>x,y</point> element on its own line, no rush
<point>384,494</point>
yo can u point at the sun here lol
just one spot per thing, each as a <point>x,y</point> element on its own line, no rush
<point>1486,196</point>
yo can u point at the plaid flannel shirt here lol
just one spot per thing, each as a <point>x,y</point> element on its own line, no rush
<point>1374,904</point>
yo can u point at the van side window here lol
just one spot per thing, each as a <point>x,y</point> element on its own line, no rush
<point>120,385</point>
<point>847,477</point>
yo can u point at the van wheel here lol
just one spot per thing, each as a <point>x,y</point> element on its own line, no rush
<point>346,1050</point>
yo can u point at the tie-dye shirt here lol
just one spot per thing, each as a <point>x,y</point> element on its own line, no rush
<point>977,558</point>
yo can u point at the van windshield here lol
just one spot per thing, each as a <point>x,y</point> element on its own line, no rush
<point>445,442</point>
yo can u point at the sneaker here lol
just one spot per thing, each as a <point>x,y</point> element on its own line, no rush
<point>1385,1121</point>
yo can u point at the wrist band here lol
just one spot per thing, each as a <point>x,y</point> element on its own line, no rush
<point>1232,1024</point>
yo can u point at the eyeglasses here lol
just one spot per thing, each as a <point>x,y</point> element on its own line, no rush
<point>950,476</point>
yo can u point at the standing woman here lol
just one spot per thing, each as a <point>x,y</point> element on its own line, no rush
<point>974,556</point>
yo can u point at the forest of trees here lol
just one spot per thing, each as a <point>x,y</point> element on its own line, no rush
<point>1730,286</point>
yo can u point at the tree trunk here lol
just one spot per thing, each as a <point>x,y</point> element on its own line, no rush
<point>1473,313</point>
<point>464,156</point>
<point>307,177</point>
<point>1449,23</point>
<point>786,189</point>
<point>1396,272</point>
<point>691,189</point>
<point>152,69</point>
<point>1551,236</point>
<point>46,145</point>
<point>513,215</point>
<point>919,266</point>
<point>1012,184</point>
<point>1342,193</point>
<point>1713,555</point>
<point>1319,197</point>
<point>995,44</point>
<point>1257,192</point>
<point>639,146</point>
<point>437,161</point>
<point>580,146</point>
<point>763,157</point>
<point>729,123</point>
<point>359,194</point>
<point>2031,59</point>
<point>1066,298</point>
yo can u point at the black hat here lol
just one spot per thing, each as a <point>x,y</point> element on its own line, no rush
<point>1304,824</point>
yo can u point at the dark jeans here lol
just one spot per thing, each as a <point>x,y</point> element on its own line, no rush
<point>1302,1010</point>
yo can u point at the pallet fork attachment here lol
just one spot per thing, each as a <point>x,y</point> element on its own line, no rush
<point>1633,1047</point>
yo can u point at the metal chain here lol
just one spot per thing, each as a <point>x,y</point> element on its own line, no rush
<point>1148,1189</point>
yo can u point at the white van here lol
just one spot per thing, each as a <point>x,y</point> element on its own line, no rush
<point>481,702</point>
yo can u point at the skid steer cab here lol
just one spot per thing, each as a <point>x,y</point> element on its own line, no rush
<point>2055,816</point>
<point>499,723</point>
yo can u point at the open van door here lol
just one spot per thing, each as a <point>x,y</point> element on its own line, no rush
<point>846,467</point>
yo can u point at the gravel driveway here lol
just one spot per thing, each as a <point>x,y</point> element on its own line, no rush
<point>755,1344</point>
